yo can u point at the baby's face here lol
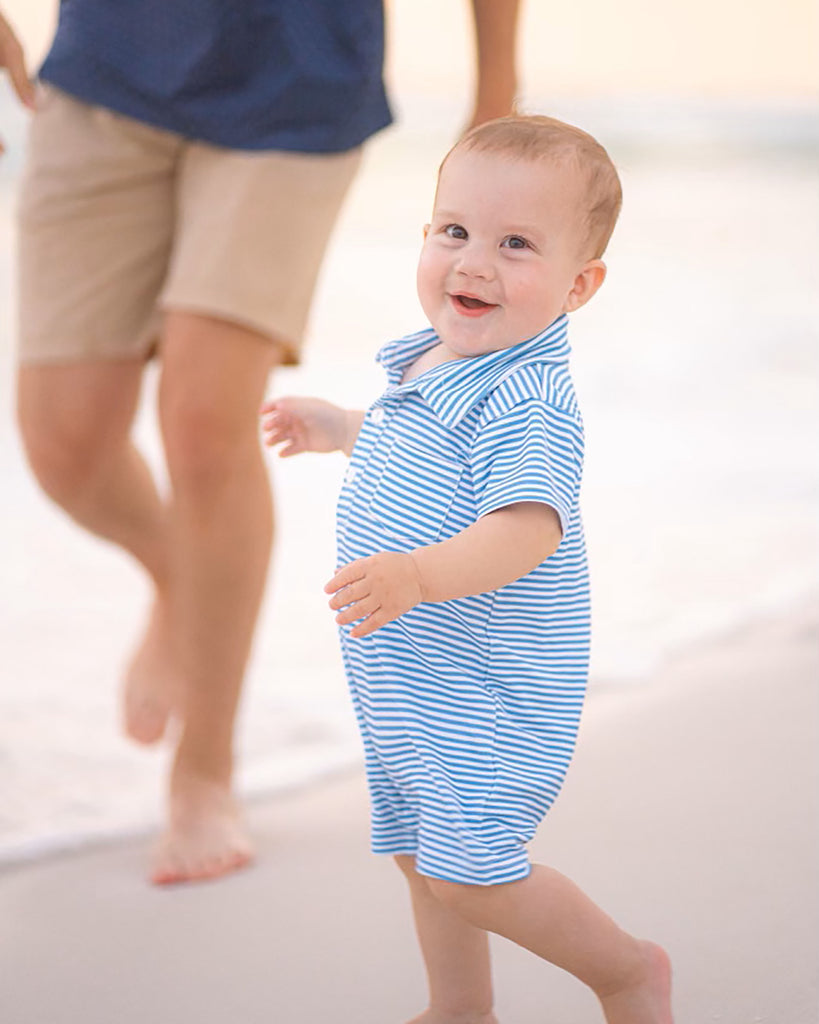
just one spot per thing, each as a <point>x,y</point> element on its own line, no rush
<point>502,255</point>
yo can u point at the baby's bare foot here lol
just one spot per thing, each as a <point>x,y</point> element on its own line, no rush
<point>205,838</point>
<point>646,999</point>
<point>151,687</point>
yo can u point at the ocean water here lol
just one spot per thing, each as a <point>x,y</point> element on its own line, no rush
<point>696,368</point>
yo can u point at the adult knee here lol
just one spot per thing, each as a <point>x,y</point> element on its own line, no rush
<point>213,379</point>
<point>66,451</point>
<point>204,445</point>
<point>74,420</point>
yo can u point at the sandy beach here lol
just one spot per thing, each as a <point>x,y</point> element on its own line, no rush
<point>690,810</point>
<point>689,813</point>
<point>696,368</point>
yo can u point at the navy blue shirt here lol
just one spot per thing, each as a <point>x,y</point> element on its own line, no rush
<point>302,75</point>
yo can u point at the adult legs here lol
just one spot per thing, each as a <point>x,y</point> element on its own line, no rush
<point>219,531</point>
<point>75,422</point>
<point>206,551</point>
<point>456,956</point>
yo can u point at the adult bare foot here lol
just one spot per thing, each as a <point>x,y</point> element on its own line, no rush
<point>205,838</point>
<point>647,999</point>
<point>151,687</point>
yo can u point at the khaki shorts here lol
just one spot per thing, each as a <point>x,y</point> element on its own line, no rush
<point>120,221</point>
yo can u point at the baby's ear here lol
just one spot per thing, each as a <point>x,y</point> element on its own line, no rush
<point>585,285</point>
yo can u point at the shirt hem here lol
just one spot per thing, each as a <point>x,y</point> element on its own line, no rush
<point>275,141</point>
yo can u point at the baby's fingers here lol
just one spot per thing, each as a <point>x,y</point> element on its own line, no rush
<point>358,610</point>
<point>274,437</point>
<point>278,428</point>
<point>369,625</point>
<point>346,575</point>
<point>356,591</point>
<point>291,448</point>
<point>274,419</point>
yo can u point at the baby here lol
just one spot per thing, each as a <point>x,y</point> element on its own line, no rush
<point>462,593</point>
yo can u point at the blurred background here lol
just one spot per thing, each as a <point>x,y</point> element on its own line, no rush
<point>696,368</point>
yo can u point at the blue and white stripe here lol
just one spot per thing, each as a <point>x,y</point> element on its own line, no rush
<point>469,708</point>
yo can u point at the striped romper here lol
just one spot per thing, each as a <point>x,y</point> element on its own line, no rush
<point>469,708</point>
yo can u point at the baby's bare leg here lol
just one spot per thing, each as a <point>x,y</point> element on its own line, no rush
<point>547,914</point>
<point>456,955</point>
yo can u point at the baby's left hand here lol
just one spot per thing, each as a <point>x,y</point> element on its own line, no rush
<point>376,589</point>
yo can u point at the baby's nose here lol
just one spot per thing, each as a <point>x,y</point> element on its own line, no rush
<point>476,261</point>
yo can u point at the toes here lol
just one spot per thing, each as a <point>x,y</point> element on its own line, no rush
<point>144,721</point>
<point>215,867</point>
<point>167,874</point>
<point>172,868</point>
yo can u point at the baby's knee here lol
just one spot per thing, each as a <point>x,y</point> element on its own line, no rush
<point>457,896</point>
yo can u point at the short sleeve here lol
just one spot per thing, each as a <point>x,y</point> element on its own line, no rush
<point>533,452</point>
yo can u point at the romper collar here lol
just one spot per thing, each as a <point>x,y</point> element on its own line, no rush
<point>453,388</point>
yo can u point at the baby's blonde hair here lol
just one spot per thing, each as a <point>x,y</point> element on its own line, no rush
<point>535,137</point>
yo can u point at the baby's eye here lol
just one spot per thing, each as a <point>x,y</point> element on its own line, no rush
<point>515,242</point>
<point>456,231</point>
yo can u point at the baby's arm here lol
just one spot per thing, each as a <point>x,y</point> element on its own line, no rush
<point>500,547</point>
<point>309,425</point>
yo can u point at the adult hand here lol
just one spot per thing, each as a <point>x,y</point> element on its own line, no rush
<point>14,61</point>
<point>376,589</point>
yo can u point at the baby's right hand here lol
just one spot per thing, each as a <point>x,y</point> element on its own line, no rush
<point>303,425</point>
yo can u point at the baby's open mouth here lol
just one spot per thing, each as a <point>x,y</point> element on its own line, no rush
<point>470,303</point>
